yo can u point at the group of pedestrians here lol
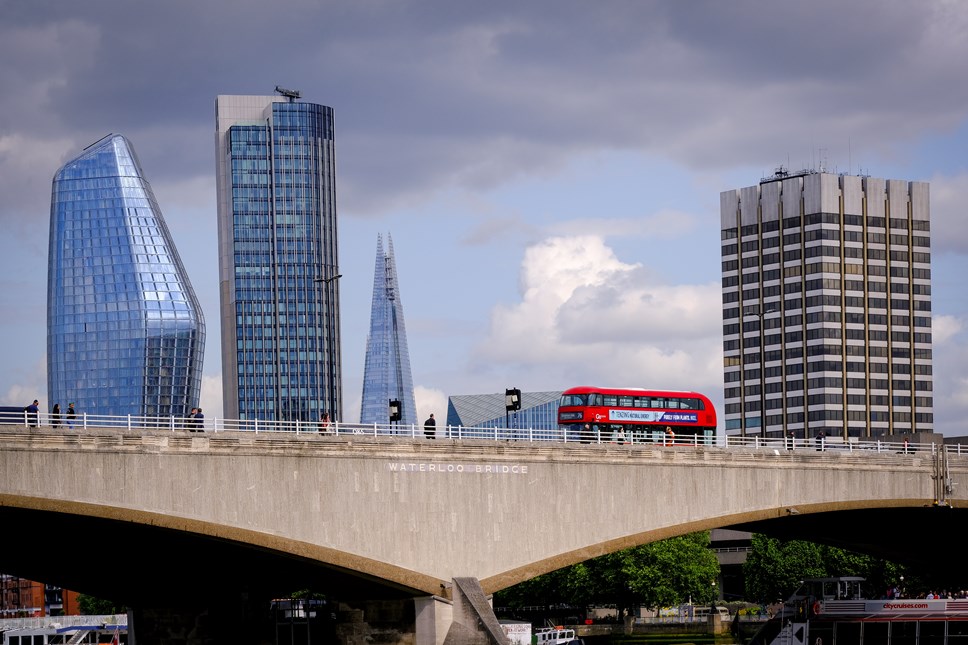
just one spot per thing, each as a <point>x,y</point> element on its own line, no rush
<point>57,418</point>
<point>194,423</point>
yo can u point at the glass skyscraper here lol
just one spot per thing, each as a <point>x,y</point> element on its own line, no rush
<point>125,332</point>
<point>386,371</point>
<point>278,265</point>
<point>827,306</point>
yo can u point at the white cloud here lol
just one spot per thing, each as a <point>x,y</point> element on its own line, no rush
<point>587,317</point>
<point>430,400</point>
<point>944,328</point>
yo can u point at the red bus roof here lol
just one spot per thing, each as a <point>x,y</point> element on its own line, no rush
<point>632,391</point>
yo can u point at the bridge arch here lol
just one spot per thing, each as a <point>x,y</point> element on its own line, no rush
<point>416,514</point>
<point>789,522</point>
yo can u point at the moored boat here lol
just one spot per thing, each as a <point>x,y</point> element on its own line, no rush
<point>834,611</point>
<point>557,635</point>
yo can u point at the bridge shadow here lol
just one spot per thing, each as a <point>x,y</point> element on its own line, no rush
<point>928,539</point>
<point>139,564</point>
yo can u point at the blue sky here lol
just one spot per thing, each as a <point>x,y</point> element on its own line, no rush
<point>549,171</point>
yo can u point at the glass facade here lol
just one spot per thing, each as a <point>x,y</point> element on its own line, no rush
<point>278,259</point>
<point>539,411</point>
<point>125,332</point>
<point>386,371</point>
<point>827,307</point>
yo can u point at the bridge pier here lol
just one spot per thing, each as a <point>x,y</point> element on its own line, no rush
<point>467,619</point>
<point>434,616</point>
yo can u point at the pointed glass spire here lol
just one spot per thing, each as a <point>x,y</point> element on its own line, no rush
<point>386,371</point>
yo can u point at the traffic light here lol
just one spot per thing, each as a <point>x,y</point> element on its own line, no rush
<point>396,412</point>
<point>512,400</point>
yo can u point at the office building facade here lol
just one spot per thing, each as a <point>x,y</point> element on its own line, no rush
<point>126,334</point>
<point>827,306</point>
<point>22,598</point>
<point>386,370</point>
<point>278,263</point>
<point>539,412</point>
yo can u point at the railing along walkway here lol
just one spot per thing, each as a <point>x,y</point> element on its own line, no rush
<point>651,440</point>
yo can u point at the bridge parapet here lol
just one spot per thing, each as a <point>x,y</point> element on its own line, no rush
<point>245,442</point>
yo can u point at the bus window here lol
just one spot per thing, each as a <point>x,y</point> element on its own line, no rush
<point>658,403</point>
<point>609,399</point>
<point>672,403</point>
<point>572,399</point>
<point>640,402</point>
<point>625,401</point>
<point>595,399</point>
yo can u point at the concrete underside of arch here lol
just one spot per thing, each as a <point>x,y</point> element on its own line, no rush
<point>411,516</point>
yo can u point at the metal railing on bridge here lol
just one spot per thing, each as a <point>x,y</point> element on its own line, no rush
<point>649,439</point>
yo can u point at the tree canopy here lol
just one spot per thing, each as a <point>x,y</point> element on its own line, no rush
<point>91,606</point>
<point>663,573</point>
<point>774,568</point>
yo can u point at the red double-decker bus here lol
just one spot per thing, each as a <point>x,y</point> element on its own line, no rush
<point>634,415</point>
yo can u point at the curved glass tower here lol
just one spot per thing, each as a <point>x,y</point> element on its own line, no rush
<point>386,371</point>
<point>125,333</point>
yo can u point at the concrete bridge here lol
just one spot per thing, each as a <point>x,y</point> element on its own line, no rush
<point>160,518</point>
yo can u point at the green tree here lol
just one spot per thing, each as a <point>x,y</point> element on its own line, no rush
<point>91,606</point>
<point>658,574</point>
<point>774,568</point>
<point>663,573</point>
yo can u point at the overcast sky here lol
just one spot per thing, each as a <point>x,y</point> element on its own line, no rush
<point>549,171</point>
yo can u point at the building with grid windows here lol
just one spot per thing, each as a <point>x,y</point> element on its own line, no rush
<point>125,332</point>
<point>21,598</point>
<point>386,370</point>
<point>539,411</point>
<point>827,306</point>
<point>278,265</point>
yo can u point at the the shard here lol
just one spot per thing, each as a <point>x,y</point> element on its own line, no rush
<point>386,372</point>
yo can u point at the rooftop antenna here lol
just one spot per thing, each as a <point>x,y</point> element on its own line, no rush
<point>99,140</point>
<point>292,95</point>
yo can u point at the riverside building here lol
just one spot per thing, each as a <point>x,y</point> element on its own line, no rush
<point>278,264</point>
<point>827,306</point>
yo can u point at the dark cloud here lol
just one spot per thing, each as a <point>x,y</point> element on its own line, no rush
<point>435,94</point>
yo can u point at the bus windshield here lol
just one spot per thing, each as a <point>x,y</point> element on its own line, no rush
<point>573,399</point>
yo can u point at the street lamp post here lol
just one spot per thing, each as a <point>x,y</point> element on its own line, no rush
<point>328,340</point>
